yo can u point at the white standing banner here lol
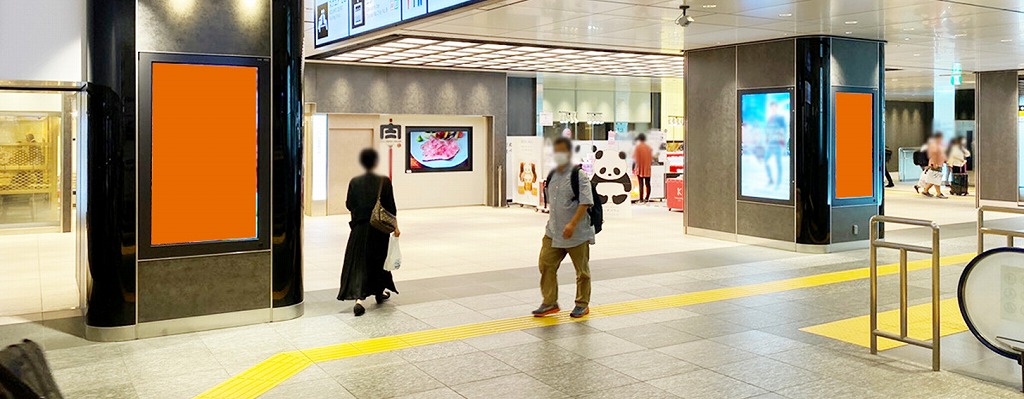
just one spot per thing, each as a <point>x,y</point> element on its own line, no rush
<point>525,164</point>
<point>613,178</point>
<point>658,181</point>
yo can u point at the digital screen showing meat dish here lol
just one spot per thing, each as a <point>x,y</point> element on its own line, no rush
<point>439,149</point>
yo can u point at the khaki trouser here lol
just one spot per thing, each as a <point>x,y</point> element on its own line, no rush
<point>551,258</point>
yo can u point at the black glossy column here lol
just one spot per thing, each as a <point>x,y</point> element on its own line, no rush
<point>110,144</point>
<point>286,65</point>
<point>813,98</point>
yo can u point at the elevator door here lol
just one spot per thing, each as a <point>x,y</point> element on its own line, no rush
<point>343,146</point>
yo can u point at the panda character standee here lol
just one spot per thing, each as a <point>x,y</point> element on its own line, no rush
<point>611,177</point>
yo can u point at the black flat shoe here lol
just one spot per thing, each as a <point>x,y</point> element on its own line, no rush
<point>382,297</point>
<point>358,310</point>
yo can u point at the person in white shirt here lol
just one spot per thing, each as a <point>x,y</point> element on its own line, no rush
<point>958,155</point>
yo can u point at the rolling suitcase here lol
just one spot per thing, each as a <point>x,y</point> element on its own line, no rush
<point>958,184</point>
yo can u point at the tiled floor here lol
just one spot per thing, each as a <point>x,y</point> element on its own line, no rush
<point>480,239</point>
<point>469,265</point>
<point>37,273</point>
<point>745,347</point>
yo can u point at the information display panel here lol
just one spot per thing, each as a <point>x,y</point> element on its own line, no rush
<point>203,155</point>
<point>765,153</point>
<point>439,5</point>
<point>854,145</point>
<point>331,21</point>
<point>439,149</point>
<point>370,15</point>
<point>336,20</point>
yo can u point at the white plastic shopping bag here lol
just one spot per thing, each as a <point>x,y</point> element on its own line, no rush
<point>394,260</point>
<point>933,177</point>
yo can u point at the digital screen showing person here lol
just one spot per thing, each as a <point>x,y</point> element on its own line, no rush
<point>765,164</point>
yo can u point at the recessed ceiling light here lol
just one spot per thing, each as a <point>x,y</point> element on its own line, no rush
<point>417,41</point>
<point>403,51</point>
<point>895,80</point>
<point>849,33</point>
<point>710,5</point>
<point>960,35</point>
<point>917,55</point>
<point>850,22</point>
<point>786,14</point>
<point>458,44</point>
<point>398,45</point>
<point>1006,40</point>
<point>909,29</point>
<point>906,39</point>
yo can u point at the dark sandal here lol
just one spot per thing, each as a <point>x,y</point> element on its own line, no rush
<point>382,297</point>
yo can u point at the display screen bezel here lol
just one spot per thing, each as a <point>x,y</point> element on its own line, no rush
<point>262,240</point>
<point>877,162</point>
<point>408,145</point>
<point>791,145</point>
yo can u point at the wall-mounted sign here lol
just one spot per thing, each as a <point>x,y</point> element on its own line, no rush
<point>547,119</point>
<point>391,134</point>
<point>336,20</point>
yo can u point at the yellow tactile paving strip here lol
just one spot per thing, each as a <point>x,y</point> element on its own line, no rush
<point>856,330</point>
<point>271,372</point>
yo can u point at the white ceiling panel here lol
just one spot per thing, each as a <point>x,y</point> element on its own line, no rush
<point>1015,5</point>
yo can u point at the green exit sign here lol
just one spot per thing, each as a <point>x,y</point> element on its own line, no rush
<point>956,80</point>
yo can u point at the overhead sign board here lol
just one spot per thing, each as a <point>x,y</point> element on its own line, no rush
<point>337,20</point>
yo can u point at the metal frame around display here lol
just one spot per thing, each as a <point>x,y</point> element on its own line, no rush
<point>874,198</point>
<point>791,145</point>
<point>145,162</point>
<point>408,147</point>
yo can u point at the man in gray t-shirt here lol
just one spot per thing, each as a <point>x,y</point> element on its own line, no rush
<point>568,232</point>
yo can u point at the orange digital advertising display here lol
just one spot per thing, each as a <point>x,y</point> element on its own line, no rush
<point>854,153</point>
<point>204,153</point>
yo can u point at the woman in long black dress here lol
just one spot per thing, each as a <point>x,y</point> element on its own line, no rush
<point>363,273</point>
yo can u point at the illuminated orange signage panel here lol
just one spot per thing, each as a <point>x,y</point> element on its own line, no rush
<point>204,152</point>
<point>854,145</point>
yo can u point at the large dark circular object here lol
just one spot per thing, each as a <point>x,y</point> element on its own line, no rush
<point>991,297</point>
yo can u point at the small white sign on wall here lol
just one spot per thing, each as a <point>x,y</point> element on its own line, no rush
<point>546,119</point>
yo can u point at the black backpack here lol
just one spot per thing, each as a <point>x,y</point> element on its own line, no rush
<point>595,211</point>
<point>920,158</point>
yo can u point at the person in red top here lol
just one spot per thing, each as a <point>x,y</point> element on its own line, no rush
<point>642,159</point>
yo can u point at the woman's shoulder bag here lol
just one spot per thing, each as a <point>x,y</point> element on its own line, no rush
<point>380,218</point>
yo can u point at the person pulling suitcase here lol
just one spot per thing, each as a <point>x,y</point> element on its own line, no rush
<point>957,161</point>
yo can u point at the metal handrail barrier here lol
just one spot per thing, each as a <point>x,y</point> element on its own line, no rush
<point>904,248</point>
<point>982,230</point>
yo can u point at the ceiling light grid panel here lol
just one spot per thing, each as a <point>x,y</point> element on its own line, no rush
<point>476,55</point>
